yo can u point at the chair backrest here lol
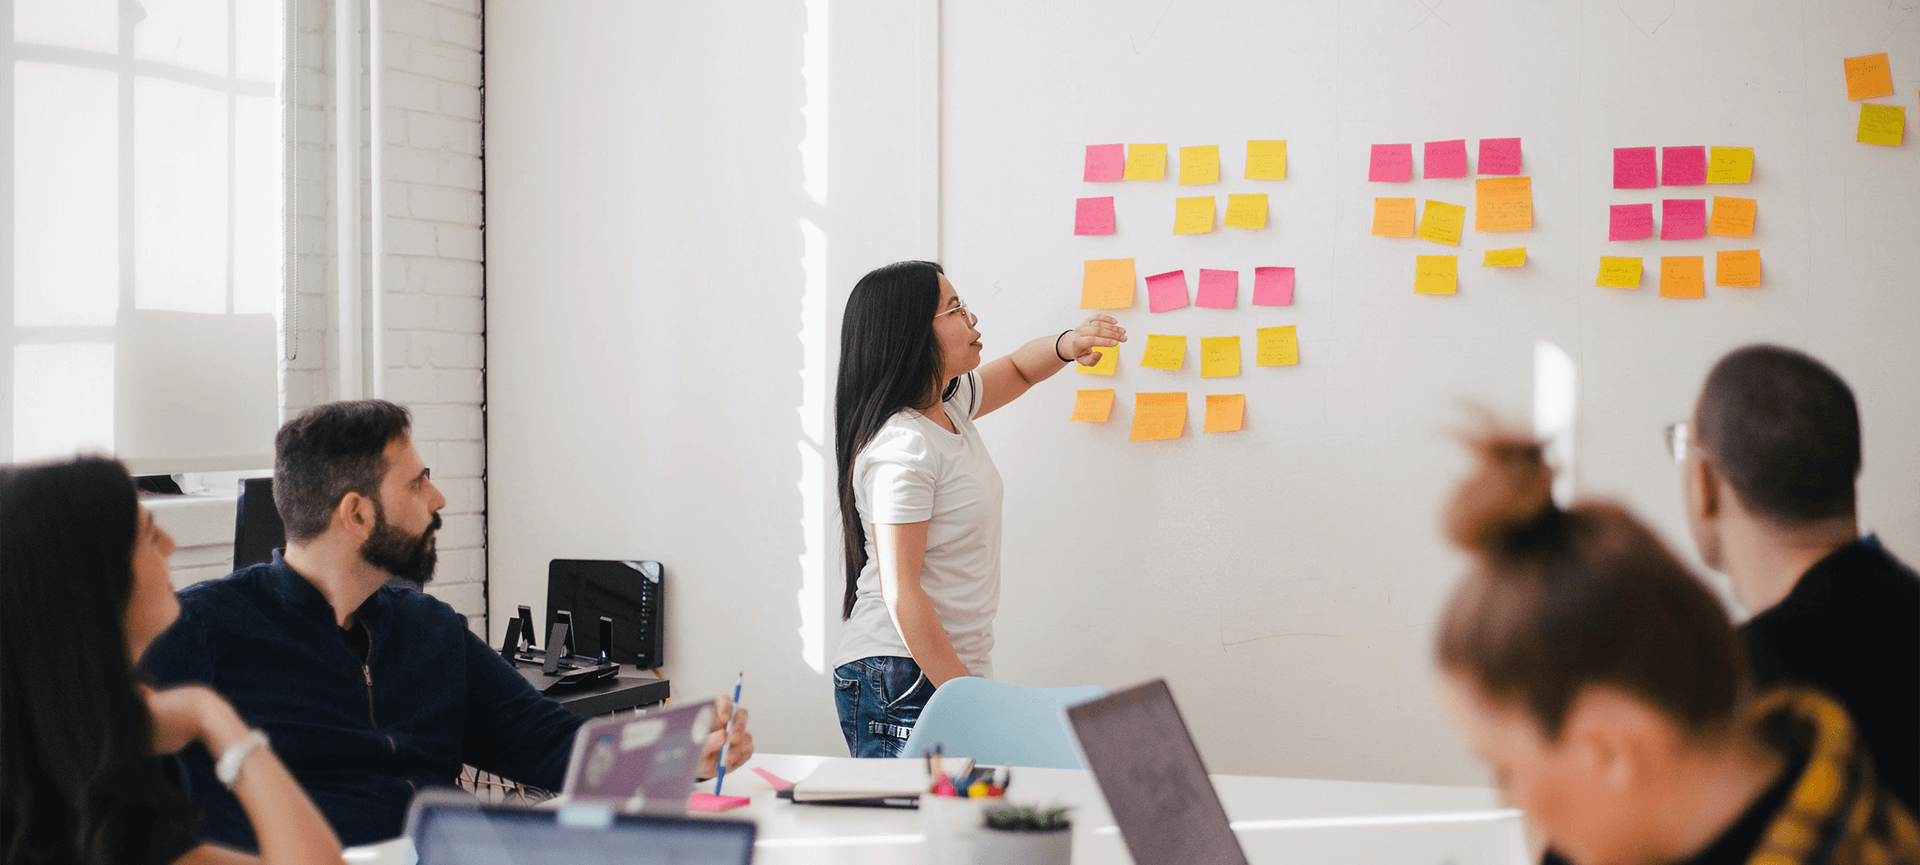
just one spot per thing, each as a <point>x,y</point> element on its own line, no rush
<point>1000,724</point>
<point>257,529</point>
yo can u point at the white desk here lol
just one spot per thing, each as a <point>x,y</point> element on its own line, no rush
<point>1278,820</point>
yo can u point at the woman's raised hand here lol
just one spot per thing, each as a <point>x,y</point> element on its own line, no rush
<point>189,714</point>
<point>1087,342</point>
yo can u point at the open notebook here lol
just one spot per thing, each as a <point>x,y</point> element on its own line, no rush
<point>849,781</point>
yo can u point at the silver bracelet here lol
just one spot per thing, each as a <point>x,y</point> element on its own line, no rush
<point>228,767</point>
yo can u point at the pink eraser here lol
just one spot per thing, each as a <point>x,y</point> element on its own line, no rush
<point>778,782</point>
<point>710,802</point>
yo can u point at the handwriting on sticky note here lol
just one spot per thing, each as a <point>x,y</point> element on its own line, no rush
<point>1092,405</point>
<point>1739,268</point>
<point>1108,362</point>
<point>1683,218</point>
<point>1199,165</point>
<point>1167,291</point>
<point>1219,289</point>
<point>1445,159</point>
<point>1273,286</point>
<point>1159,416</point>
<point>1633,168</point>
<point>1107,283</point>
<point>1683,276</point>
<point>1516,257</point>
<point>1276,346</point>
<point>1499,156</point>
<point>1730,165</point>
<point>1732,217</point>
<point>1146,162</point>
<point>1393,217</point>
<point>1683,166</point>
<point>1436,274</point>
<point>1441,222</point>
<point>1618,272</point>
<point>1247,210</point>
<point>1503,204</point>
<point>1164,351</point>
<point>1225,412</point>
<point>1881,124</point>
<point>1219,356</point>
<point>1391,163</point>
<point>1193,215</point>
<point>1105,163</point>
<point>1869,76</point>
<point>1093,216</point>
<point>1629,221</point>
<point>1266,160</point>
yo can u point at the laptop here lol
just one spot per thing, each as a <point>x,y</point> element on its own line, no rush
<point>1150,772</point>
<point>639,763</point>
<point>449,827</point>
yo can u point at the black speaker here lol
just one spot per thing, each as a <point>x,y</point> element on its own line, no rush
<point>631,593</point>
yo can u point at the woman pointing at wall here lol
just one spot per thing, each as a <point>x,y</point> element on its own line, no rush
<point>919,496</point>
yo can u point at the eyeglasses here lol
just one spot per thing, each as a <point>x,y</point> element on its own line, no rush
<point>958,306</point>
<point>1679,440</point>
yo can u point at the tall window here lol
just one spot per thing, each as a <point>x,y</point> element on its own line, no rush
<point>145,172</point>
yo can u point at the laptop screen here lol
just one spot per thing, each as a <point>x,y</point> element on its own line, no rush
<point>472,834</point>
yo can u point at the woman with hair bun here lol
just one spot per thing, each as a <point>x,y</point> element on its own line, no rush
<point>1606,689</point>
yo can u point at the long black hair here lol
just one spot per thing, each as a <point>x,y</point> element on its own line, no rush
<point>889,360</point>
<point>76,768</point>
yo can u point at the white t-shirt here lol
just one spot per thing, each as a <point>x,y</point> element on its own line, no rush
<point>915,471</point>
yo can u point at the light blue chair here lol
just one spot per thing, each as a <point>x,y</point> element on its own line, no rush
<point>998,724</point>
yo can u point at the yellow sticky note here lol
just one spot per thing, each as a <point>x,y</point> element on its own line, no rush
<point>1092,405</point>
<point>1266,160</point>
<point>1247,211</point>
<point>1277,346</point>
<point>1869,76</point>
<point>1618,272</point>
<point>1193,215</point>
<point>1146,162</point>
<point>1159,416</point>
<point>1107,283</point>
<point>1441,223</point>
<point>1109,361</point>
<point>1683,276</point>
<point>1739,268</point>
<point>1199,165</point>
<point>1225,412</point>
<point>1219,356</point>
<point>1730,165</point>
<point>1436,274</point>
<point>1503,204</point>
<point>1164,351</point>
<point>1393,217</point>
<point>1505,257</point>
<point>1732,217</point>
<point>1881,124</point>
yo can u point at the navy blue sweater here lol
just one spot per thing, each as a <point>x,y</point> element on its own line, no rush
<point>360,739</point>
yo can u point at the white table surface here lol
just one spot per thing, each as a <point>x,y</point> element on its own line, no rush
<point>1278,820</point>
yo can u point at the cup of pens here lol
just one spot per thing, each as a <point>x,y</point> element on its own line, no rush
<point>951,806</point>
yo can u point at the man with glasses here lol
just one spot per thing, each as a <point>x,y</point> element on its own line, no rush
<point>1770,459</point>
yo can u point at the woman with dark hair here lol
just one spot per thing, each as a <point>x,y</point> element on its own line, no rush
<point>919,496</point>
<point>85,762</point>
<point>1606,689</point>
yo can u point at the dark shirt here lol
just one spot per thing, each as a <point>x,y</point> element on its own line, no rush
<point>1851,627</point>
<point>361,738</point>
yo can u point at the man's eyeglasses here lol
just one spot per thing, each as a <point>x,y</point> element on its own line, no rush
<point>958,306</point>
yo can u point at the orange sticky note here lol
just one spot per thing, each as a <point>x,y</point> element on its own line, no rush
<point>1108,362</point>
<point>1730,165</point>
<point>1159,416</point>
<point>1247,211</point>
<point>1219,356</point>
<point>1146,162</point>
<point>1225,412</point>
<point>1441,222</point>
<point>1107,283</point>
<point>1732,217</point>
<point>1869,76</point>
<point>1266,160</point>
<point>1164,351</point>
<point>1683,276</point>
<point>1277,346</point>
<point>1092,405</point>
<point>1881,124</point>
<point>1393,217</point>
<point>1193,215</point>
<point>1199,165</point>
<point>1503,204</point>
<point>1739,268</point>
<point>1436,274</point>
<point>1618,272</point>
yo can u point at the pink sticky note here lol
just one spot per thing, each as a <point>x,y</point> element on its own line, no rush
<point>1445,159</point>
<point>778,782</point>
<point>1166,291</point>
<point>710,802</point>
<point>1093,216</point>
<point>1683,166</point>
<point>1683,219</point>
<point>1633,168</point>
<point>1219,289</point>
<point>1392,163</point>
<point>1106,163</point>
<point>1273,286</point>
<point>1629,222</point>
<point>1500,156</point>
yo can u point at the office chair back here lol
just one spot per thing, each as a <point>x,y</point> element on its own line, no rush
<point>1000,724</point>
<point>257,529</point>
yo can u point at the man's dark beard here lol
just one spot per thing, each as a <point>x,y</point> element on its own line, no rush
<point>408,557</point>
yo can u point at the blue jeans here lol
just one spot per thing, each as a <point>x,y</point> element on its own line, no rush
<point>879,700</point>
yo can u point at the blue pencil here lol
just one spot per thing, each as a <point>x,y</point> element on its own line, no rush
<point>721,777</point>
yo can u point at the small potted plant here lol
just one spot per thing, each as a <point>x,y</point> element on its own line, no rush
<point>1023,835</point>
